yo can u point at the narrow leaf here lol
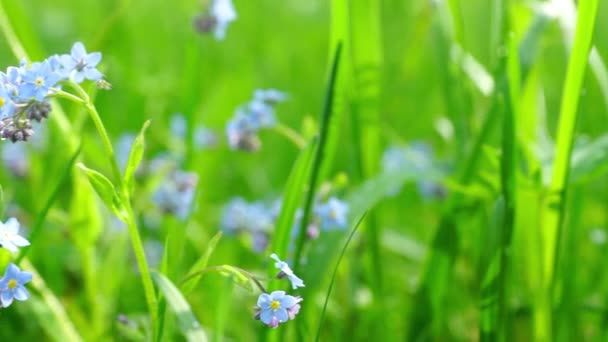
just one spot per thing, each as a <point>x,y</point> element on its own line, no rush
<point>188,324</point>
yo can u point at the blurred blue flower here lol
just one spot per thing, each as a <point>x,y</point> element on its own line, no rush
<point>285,270</point>
<point>253,219</point>
<point>276,307</point>
<point>417,161</point>
<point>80,65</point>
<point>241,134</point>
<point>332,214</point>
<point>251,117</point>
<point>9,235</point>
<point>15,158</point>
<point>269,96</point>
<point>38,80</point>
<point>176,194</point>
<point>235,216</point>
<point>123,149</point>
<point>153,249</point>
<point>223,13</point>
<point>11,285</point>
<point>178,125</point>
<point>204,137</point>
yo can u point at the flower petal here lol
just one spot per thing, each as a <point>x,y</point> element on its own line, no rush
<point>78,51</point>
<point>94,58</point>
<point>21,293</point>
<point>6,297</point>
<point>266,316</point>
<point>281,314</point>
<point>12,225</point>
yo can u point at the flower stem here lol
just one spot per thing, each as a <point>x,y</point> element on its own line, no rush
<point>290,134</point>
<point>123,193</point>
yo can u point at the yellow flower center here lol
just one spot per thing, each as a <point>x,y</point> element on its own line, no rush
<point>275,305</point>
<point>12,283</point>
<point>333,214</point>
<point>2,101</point>
<point>39,81</point>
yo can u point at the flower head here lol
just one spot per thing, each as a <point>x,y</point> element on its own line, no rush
<point>223,13</point>
<point>176,194</point>
<point>332,214</point>
<point>7,106</point>
<point>11,285</point>
<point>286,271</point>
<point>80,65</point>
<point>276,307</point>
<point>38,80</point>
<point>9,235</point>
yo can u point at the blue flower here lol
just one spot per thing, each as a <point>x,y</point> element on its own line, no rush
<point>11,285</point>
<point>123,149</point>
<point>15,158</point>
<point>178,125</point>
<point>234,216</point>
<point>37,81</point>
<point>332,214</point>
<point>223,13</point>
<point>270,96</point>
<point>79,65</point>
<point>276,307</point>
<point>7,106</point>
<point>285,270</point>
<point>261,114</point>
<point>204,137</point>
<point>176,194</point>
<point>253,219</point>
<point>241,133</point>
<point>9,235</point>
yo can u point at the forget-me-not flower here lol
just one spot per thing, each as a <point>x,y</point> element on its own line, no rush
<point>332,214</point>
<point>276,307</point>
<point>11,285</point>
<point>7,106</point>
<point>223,13</point>
<point>38,80</point>
<point>176,194</point>
<point>285,270</point>
<point>80,65</point>
<point>9,235</point>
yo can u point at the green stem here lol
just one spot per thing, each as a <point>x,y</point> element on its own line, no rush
<point>290,134</point>
<point>136,242</point>
<point>555,205</point>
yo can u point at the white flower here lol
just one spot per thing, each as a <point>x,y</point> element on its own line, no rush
<point>9,237</point>
<point>286,271</point>
<point>223,11</point>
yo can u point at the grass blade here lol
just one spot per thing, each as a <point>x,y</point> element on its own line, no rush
<point>318,156</point>
<point>554,209</point>
<point>334,274</point>
<point>188,324</point>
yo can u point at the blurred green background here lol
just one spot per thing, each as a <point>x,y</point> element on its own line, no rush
<point>410,71</point>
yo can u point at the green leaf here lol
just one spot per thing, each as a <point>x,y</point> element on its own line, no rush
<point>202,262</point>
<point>292,198</point>
<point>136,155</point>
<point>238,276</point>
<point>106,191</point>
<point>188,324</point>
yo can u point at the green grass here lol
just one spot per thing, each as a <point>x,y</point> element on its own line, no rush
<point>510,244</point>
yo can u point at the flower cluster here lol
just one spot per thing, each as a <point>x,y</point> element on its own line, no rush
<point>176,193</point>
<point>418,161</point>
<point>217,18</point>
<point>256,220</point>
<point>26,89</point>
<point>12,283</point>
<point>251,117</point>
<point>279,307</point>
<point>203,137</point>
